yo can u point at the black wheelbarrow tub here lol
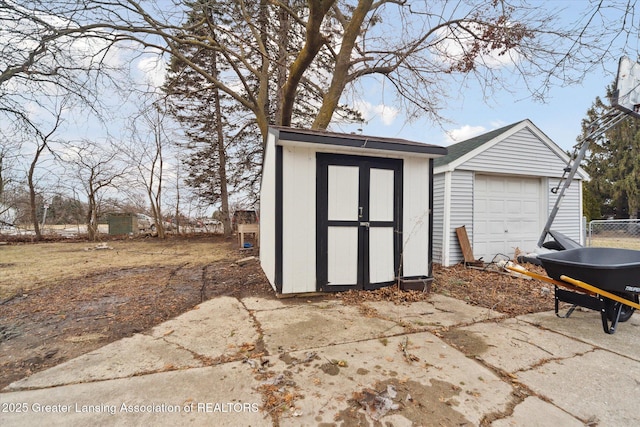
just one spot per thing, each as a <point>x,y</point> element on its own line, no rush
<point>610,269</point>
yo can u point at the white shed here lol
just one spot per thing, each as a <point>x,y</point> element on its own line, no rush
<point>344,211</point>
<point>499,186</point>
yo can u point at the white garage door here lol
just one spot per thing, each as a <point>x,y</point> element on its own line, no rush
<point>506,215</point>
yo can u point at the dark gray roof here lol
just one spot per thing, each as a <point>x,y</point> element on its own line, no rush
<point>357,141</point>
<point>458,150</point>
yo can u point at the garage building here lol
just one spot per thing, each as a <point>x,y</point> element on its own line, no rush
<point>499,186</point>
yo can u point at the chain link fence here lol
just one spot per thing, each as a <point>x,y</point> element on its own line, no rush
<point>614,233</point>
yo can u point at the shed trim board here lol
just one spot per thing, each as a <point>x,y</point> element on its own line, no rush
<point>517,154</point>
<point>360,142</point>
<point>295,230</point>
<point>278,219</point>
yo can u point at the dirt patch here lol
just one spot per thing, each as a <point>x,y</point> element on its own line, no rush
<point>466,341</point>
<point>330,368</point>
<point>414,401</point>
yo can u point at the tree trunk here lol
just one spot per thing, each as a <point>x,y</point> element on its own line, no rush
<point>343,62</point>
<point>314,39</point>
<point>156,202</point>
<point>222,157</point>
<point>32,193</point>
<point>92,217</point>
<point>281,65</point>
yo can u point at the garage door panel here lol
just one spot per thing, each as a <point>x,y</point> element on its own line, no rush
<point>507,212</point>
<point>531,187</point>
<point>496,206</point>
<point>495,228</point>
<point>495,186</point>
<point>513,207</point>
<point>521,227</point>
<point>513,187</point>
<point>531,205</point>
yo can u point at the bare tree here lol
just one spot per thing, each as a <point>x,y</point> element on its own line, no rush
<point>52,49</point>
<point>327,44</point>
<point>287,60</point>
<point>145,153</point>
<point>43,140</point>
<point>10,146</point>
<point>418,47</point>
<point>8,178</point>
<point>97,167</point>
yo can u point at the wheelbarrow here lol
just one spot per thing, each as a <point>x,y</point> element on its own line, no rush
<point>602,279</point>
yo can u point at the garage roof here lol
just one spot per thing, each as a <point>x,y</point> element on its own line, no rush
<point>463,151</point>
<point>458,150</point>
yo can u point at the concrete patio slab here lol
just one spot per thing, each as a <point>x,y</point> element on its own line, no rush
<point>331,363</point>
<point>218,327</point>
<point>136,355</point>
<point>222,396</point>
<point>311,326</point>
<point>597,387</point>
<point>512,345</point>
<point>435,375</point>
<point>534,412</point>
<point>439,311</point>
<point>586,325</point>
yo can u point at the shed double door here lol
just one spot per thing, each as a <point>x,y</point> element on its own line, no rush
<point>359,211</point>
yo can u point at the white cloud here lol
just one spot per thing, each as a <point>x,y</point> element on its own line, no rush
<point>463,133</point>
<point>383,112</point>
<point>154,69</point>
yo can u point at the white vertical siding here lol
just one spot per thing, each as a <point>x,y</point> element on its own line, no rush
<point>568,221</point>
<point>522,154</point>
<point>415,220</point>
<point>268,212</point>
<point>460,213</point>
<point>298,220</point>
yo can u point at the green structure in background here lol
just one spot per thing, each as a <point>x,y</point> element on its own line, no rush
<point>122,223</point>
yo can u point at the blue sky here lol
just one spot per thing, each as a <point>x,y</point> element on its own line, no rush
<point>559,118</point>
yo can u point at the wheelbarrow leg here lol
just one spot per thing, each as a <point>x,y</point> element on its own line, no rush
<point>568,313</point>
<point>610,328</point>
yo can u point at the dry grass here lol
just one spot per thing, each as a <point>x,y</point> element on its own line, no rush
<point>616,242</point>
<point>29,266</point>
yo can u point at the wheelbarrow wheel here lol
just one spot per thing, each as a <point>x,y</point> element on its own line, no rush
<point>612,307</point>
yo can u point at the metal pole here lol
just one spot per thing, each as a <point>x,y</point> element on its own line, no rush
<point>600,126</point>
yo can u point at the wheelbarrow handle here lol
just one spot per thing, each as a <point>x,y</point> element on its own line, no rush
<point>599,291</point>
<point>520,269</point>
